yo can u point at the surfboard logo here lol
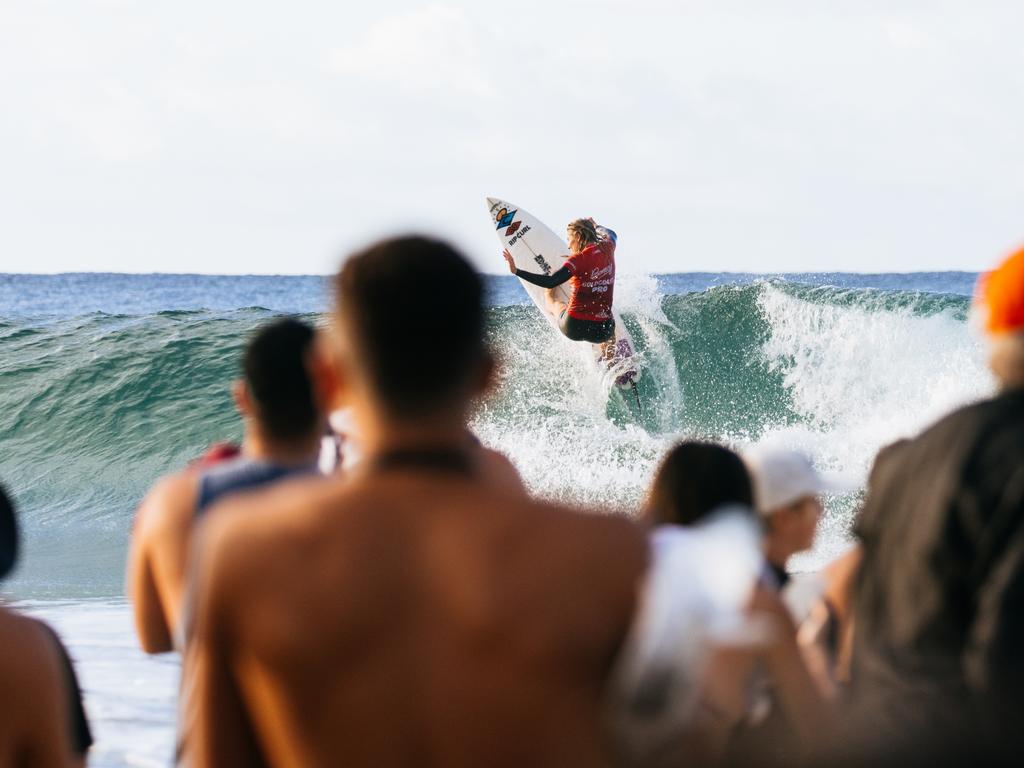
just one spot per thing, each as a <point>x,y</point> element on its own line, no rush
<point>517,236</point>
<point>504,218</point>
<point>512,229</point>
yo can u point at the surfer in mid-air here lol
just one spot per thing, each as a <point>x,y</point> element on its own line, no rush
<point>590,272</point>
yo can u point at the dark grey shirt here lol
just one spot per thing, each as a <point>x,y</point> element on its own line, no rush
<point>939,607</point>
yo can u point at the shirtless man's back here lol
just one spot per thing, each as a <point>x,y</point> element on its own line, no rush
<point>414,613</point>
<point>433,622</point>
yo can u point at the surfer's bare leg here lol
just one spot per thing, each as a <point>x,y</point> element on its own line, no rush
<point>608,350</point>
<point>555,305</point>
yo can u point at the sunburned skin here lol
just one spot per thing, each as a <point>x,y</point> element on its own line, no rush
<point>34,728</point>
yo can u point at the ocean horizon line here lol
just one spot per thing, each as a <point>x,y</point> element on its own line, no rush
<point>693,272</point>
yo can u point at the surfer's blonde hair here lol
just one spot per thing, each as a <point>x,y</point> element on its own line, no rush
<point>584,229</point>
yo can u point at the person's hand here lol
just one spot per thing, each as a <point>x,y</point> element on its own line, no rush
<point>508,259</point>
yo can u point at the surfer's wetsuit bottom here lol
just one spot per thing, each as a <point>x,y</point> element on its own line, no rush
<point>594,331</point>
<point>574,328</point>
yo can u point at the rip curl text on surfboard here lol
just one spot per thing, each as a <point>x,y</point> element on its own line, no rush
<point>518,235</point>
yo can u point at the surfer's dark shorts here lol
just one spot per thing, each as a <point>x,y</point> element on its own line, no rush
<point>594,331</point>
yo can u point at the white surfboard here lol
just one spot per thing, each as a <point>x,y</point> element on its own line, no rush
<point>535,248</point>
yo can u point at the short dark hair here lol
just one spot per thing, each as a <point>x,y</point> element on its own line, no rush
<point>693,480</point>
<point>414,307</point>
<point>277,377</point>
<point>8,534</point>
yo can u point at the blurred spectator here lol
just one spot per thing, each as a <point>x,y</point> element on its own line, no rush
<point>283,429</point>
<point>42,720</point>
<point>693,480</point>
<point>939,604</point>
<point>759,704</point>
<point>826,633</point>
<point>787,490</point>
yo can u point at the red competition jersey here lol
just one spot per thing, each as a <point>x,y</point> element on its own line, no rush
<point>592,281</point>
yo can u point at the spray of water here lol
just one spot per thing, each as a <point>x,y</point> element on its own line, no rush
<point>834,373</point>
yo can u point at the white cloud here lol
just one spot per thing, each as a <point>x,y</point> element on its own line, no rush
<point>715,134</point>
<point>431,51</point>
<point>114,121</point>
<point>903,34</point>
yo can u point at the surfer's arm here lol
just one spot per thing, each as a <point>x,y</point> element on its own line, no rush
<point>553,280</point>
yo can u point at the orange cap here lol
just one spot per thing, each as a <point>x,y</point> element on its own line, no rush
<point>1001,294</point>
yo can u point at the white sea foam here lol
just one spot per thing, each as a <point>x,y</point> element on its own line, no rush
<point>551,414</point>
<point>860,377</point>
<point>640,295</point>
<point>859,371</point>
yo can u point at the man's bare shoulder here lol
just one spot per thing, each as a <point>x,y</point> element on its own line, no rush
<point>33,705</point>
<point>500,470</point>
<point>246,525</point>
<point>257,534</point>
<point>604,524</point>
<point>597,533</point>
<point>170,504</point>
<point>17,631</point>
<point>585,565</point>
<point>29,655</point>
<point>276,545</point>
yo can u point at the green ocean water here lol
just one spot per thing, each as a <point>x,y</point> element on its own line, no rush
<point>95,406</point>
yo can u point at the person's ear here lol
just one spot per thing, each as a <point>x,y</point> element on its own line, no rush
<point>327,374</point>
<point>240,393</point>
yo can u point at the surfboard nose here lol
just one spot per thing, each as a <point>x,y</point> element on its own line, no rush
<point>492,203</point>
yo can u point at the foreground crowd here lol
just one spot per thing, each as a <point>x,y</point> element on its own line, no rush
<point>416,606</point>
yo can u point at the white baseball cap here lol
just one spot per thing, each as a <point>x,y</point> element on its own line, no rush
<point>782,476</point>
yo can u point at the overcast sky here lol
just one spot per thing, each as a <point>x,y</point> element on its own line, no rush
<point>241,137</point>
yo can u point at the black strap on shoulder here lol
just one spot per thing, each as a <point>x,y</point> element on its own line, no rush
<point>450,460</point>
